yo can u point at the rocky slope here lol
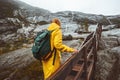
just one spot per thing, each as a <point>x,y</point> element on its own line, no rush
<point>108,59</point>
<point>9,8</point>
<point>80,17</point>
<point>15,15</point>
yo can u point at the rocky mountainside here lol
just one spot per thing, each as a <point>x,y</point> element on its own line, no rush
<point>17,13</point>
<point>19,21</point>
<point>8,8</point>
<point>14,13</point>
<point>80,17</point>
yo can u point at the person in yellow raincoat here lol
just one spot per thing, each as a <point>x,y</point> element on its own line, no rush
<point>56,42</point>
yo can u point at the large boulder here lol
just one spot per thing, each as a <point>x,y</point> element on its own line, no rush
<point>67,37</point>
<point>110,41</point>
<point>107,67</point>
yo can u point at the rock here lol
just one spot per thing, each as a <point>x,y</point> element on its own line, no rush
<point>67,37</point>
<point>1,50</point>
<point>111,41</point>
<point>31,41</point>
<point>12,47</point>
<point>102,45</point>
<point>108,27</point>
<point>118,41</point>
<point>25,45</point>
<point>116,67</point>
<point>108,64</point>
<point>18,59</point>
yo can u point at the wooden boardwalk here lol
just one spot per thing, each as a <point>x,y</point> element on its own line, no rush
<point>81,66</point>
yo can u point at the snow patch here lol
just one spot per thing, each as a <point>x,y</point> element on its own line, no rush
<point>113,32</point>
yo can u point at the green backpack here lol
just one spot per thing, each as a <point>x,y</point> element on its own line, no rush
<point>41,48</point>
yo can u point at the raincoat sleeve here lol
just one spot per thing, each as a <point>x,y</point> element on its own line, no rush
<point>58,43</point>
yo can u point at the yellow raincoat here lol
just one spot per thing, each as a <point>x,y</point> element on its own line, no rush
<point>56,41</point>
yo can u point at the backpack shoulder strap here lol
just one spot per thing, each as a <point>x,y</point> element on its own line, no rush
<point>52,30</point>
<point>54,50</point>
<point>54,55</point>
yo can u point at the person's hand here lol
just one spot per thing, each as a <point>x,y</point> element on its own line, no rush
<point>75,51</point>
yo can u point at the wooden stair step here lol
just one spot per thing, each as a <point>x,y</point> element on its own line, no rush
<point>76,67</point>
<point>71,75</point>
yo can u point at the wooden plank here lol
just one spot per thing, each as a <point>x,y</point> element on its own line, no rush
<point>90,53</point>
<point>79,73</point>
<point>76,67</point>
<point>90,69</point>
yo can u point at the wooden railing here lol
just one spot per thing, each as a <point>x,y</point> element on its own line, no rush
<point>81,66</point>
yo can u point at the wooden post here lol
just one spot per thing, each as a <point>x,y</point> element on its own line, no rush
<point>85,62</point>
<point>95,56</point>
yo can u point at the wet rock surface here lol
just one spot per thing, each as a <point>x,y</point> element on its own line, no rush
<point>107,67</point>
<point>20,65</point>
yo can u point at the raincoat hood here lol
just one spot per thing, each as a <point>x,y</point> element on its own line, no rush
<point>53,26</point>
